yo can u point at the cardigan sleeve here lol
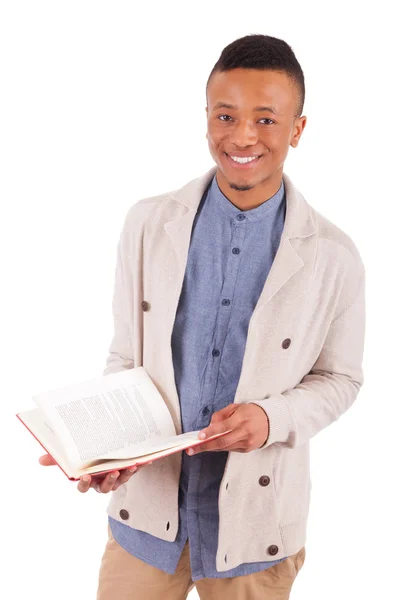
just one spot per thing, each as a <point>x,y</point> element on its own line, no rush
<point>120,352</point>
<point>334,381</point>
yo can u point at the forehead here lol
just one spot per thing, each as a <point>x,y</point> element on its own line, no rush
<point>246,88</point>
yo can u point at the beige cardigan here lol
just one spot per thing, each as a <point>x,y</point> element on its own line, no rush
<point>302,365</point>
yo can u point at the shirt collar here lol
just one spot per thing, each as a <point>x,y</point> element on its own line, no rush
<point>254,214</point>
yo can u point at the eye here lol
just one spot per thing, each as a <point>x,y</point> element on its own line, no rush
<point>222,118</point>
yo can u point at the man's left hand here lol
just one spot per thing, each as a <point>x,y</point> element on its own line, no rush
<point>249,425</point>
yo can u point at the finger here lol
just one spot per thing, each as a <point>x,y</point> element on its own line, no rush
<point>84,483</point>
<point>47,460</point>
<point>230,441</point>
<point>230,423</point>
<point>108,482</point>
<point>238,447</point>
<point>125,476</point>
<point>224,413</point>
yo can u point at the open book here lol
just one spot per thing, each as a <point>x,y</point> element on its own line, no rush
<point>105,424</point>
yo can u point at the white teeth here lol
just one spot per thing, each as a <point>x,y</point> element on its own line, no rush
<point>243,160</point>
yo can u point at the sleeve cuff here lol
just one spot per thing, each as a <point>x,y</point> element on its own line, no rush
<point>279,417</point>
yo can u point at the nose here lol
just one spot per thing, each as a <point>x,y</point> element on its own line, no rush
<point>244,134</point>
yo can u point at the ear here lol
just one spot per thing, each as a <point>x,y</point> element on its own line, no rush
<point>298,130</point>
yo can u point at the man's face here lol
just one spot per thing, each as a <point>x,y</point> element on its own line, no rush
<point>251,113</point>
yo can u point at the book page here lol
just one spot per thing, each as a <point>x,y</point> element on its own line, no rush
<point>107,415</point>
<point>153,445</point>
<point>186,440</point>
<point>190,439</point>
<point>35,421</point>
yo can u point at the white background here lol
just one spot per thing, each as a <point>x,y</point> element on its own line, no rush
<point>103,103</point>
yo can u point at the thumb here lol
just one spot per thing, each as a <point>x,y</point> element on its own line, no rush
<point>224,413</point>
<point>46,460</point>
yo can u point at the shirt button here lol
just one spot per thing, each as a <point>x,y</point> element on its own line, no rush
<point>145,305</point>
<point>226,302</point>
<point>264,480</point>
<point>273,550</point>
<point>240,217</point>
<point>286,343</point>
<point>235,250</point>
<point>124,514</point>
<point>215,352</point>
<point>205,411</point>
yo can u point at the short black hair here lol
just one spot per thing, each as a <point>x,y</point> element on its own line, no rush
<point>257,51</point>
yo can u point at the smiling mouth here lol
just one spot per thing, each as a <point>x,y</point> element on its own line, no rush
<point>248,164</point>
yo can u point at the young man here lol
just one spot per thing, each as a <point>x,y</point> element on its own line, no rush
<point>246,307</point>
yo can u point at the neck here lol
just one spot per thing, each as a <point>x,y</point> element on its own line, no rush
<point>250,198</point>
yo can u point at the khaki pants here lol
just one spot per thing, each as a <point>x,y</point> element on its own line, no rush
<point>125,577</point>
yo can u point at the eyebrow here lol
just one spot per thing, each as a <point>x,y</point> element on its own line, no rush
<point>256,108</point>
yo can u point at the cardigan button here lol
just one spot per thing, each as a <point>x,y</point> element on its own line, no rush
<point>264,480</point>
<point>273,550</point>
<point>286,343</point>
<point>124,514</point>
<point>145,305</point>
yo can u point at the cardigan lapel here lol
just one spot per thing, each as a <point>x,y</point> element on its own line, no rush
<point>298,226</point>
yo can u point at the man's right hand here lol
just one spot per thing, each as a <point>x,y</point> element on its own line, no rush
<point>101,483</point>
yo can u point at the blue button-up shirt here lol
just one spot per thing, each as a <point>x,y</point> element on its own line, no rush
<point>231,252</point>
